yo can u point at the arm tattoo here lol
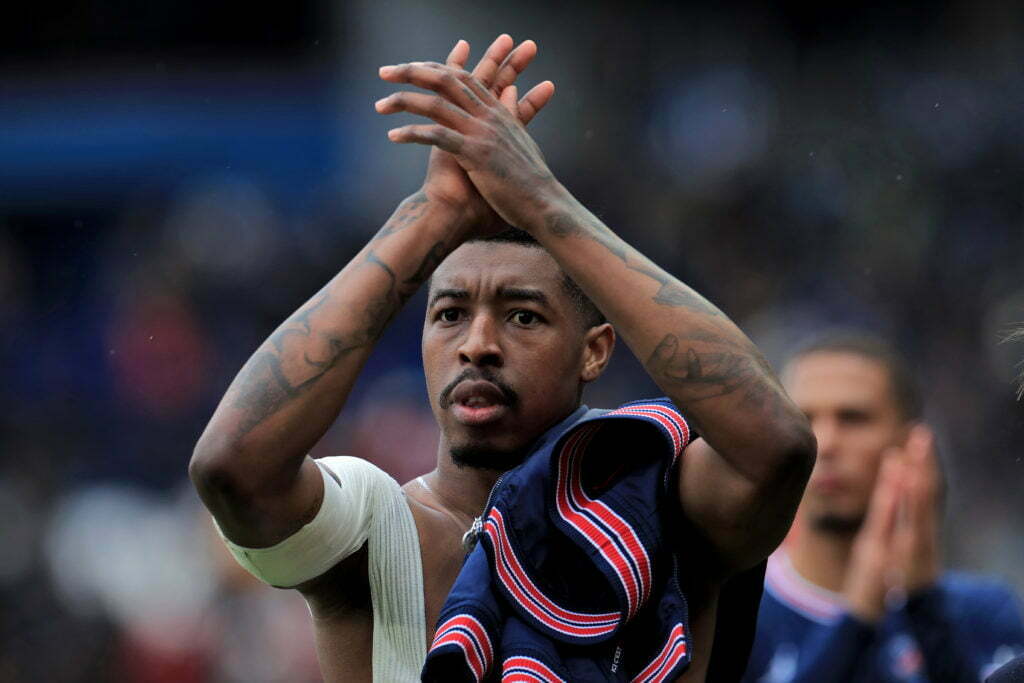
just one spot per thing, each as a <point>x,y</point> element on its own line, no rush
<point>674,294</point>
<point>263,387</point>
<point>407,213</point>
<point>382,309</point>
<point>671,292</point>
<point>566,225</point>
<point>434,256</point>
<point>701,365</point>
<point>705,359</point>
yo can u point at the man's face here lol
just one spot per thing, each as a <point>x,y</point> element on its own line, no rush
<point>502,351</point>
<point>849,401</point>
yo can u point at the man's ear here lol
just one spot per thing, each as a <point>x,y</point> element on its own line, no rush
<point>598,344</point>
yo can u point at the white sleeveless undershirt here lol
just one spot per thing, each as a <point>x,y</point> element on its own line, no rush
<point>367,506</point>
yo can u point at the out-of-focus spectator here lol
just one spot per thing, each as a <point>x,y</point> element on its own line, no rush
<point>859,592</point>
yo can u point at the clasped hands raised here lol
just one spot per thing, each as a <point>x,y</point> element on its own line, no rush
<point>896,552</point>
<point>484,163</point>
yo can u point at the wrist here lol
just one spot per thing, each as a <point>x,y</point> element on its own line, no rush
<point>865,599</point>
<point>459,214</point>
<point>868,612</point>
<point>548,197</point>
<point>445,220</point>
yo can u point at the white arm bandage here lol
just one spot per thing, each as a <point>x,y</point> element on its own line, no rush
<point>340,527</point>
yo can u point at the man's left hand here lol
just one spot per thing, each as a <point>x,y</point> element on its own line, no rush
<point>484,133</point>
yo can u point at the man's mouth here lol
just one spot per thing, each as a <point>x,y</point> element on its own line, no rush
<point>478,402</point>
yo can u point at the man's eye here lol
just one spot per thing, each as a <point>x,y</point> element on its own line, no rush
<point>525,318</point>
<point>854,417</point>
<point>449,315</point>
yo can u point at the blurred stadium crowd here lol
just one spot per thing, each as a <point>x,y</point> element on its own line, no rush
<point>176,178</point>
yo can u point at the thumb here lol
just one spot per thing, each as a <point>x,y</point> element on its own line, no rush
<point>510,100</point>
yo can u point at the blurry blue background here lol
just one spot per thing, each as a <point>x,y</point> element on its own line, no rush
<point>177,177</point>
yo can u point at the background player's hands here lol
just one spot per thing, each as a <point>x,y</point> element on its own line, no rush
<point>897,548</point>
<point>916,536</point>
<point>872,573</point>
<point>497,70</point>
<point>484,132</point>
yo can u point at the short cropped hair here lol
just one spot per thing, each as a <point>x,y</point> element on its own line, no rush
<point>905,389</point>
<point>590,314</point>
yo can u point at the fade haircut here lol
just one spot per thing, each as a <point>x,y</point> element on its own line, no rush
<point>590,314</point>
<point>905,390</point>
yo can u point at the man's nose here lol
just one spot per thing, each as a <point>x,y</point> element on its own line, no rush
<point>481,345</point>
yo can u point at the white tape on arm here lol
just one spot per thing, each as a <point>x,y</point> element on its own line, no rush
<point>339,529</point>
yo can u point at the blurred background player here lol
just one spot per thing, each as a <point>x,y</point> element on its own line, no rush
<point>858,592</point>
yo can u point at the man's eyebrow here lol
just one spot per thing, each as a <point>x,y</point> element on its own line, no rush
<point>523,294</point>
<point>450,293</point>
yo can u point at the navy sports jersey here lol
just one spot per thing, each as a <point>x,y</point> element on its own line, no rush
<point>580,571</point>
<point>960,630</point>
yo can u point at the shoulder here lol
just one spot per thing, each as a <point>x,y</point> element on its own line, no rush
<point>349,465</point>
<point>982,603</point>
<point>976,591</point>
<point>357,473</point>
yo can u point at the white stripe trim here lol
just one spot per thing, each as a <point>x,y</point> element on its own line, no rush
<point>786,585</point>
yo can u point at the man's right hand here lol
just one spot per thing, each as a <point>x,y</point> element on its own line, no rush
<point>896,552</point>
<point>446,182</point>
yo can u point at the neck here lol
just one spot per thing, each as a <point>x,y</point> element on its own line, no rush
<point>821,557</point>
<point>461,490</point>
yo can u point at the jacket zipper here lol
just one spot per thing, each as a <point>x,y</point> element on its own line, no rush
<point>472,535</point>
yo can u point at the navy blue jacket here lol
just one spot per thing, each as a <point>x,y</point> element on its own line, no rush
<point>574,577</point>
<point>956,632</point>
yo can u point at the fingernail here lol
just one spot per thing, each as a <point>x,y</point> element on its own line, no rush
<point>392,134</point>
<point>385,70</point>
<point>379,103</point>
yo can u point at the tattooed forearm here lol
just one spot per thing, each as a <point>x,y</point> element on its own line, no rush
<point>407,213</point>
<point>672,293</point>
<point>264,386</point>
<point>705,365</point>
<point>298,323</point>
<point>700,374</point>
<point>565,225</point>
<point>434,256</point>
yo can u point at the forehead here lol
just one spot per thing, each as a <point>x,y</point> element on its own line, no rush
<point>482,268</point>
<point>837,378</point>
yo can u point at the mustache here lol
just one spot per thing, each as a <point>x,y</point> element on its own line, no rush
<point>509,395</point>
